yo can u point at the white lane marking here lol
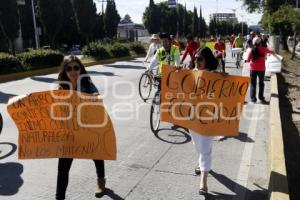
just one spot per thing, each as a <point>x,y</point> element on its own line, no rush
<point>243,173</point>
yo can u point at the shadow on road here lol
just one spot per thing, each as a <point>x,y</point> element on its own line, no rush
<point>113,195</point>
<point>43,79</point>
<point>10,178</point>
<point>102,73</point>
<point>126,66</point>
<point>7,149</point>
<point>243,137</point>
<point>233,186</point>
<point>4,97</point>
<point>181,137</point>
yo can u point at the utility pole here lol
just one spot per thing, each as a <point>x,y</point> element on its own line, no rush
<point>37,45</point>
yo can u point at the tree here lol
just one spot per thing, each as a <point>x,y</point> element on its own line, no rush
<point>268,7</point>
<point>151,18</point>
<point>27,24</point>
<point>126,20</point>
<point>99,31</point>
<point>111,19</point>
<point>86,16</point>
<point>286,16</point>
<point>180,13</point>
<point>51,15</point>
<point>195,22</point>
<point>9,20</point>
<point>69,33</point>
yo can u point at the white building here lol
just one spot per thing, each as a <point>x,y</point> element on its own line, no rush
<point>131,31</point>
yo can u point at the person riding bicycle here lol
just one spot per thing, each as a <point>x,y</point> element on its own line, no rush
<point>168,54</point>
<point>155,44</point>
<point>220,51</point>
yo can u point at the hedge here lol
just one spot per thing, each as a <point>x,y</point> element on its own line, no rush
<point>137,48</point>
<point>96,50</point>
<point>40,58</point>
<point>119,50</point>
<point>9,63</point>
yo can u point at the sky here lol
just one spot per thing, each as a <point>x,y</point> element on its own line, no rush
<point>135,8</point>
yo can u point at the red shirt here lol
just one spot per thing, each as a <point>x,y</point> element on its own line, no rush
<point>259,63</point>
<point>190,49</point>
<point>231,40</point>
<point>220,47</point>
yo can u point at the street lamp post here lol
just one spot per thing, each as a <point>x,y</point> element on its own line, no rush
<point>34,25</point>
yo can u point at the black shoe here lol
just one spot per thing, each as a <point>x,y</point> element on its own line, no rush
<point>203,191</point>
<point>253,100</point>
<point>263,101</point>
<point>197,171</point>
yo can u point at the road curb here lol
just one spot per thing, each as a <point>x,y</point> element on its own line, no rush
<point>278,185</point>
<point>50,70</point>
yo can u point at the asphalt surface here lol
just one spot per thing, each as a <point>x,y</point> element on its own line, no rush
<point>149,166</point>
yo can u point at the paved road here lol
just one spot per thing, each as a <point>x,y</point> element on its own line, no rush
<point>148,166</point>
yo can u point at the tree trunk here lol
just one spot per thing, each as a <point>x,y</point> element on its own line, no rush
<point>294,46</point>
<point>283,41</point>
<point>12,45</point>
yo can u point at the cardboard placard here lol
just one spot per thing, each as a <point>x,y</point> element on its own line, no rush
<point>63,124</point>
<point>207,102</point>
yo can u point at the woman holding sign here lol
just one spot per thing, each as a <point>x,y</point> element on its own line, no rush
<point>204,60</point>
<point>72,70</point>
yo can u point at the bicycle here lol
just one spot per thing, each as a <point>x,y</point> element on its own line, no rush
<point>155,107</point>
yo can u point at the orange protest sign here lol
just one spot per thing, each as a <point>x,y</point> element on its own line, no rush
<point>207,102</point>
<point>63,124</point>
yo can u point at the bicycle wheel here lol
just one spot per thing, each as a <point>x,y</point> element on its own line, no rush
<point>7,149</point>
<point>145,86</point>
<point>1,123</point>
<point>155,112</point>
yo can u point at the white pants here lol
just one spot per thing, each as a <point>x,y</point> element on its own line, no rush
<point>203,146</point>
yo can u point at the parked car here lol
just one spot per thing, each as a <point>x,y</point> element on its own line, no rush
<point>74,50</point>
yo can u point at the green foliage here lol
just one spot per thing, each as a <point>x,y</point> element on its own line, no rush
<point>119,50</point>
<point>51,15</point>
<point>86,16</point>
<point>96,50</point>
<point>137,48</point>
<point>9,19</point>
<point>111,19</point>
<point>40,58</point>
<point>9,63</point>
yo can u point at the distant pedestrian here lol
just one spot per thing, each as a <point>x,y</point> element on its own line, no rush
<point>174,42</point>
<point>265,40</point>
<point>220,51</point>
<point>249,43</point>
<point>257,68</point>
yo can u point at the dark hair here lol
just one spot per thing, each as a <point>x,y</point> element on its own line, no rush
<point>164,35</point>
<point>211,61</point>
<point>62,76</point>
<point>255,52</point>
<point>189,37</point>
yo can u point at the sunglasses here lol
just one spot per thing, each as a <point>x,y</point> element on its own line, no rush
<point>72,68</point>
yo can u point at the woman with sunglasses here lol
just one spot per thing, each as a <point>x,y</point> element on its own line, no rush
<point>73,70</point>
<point>204,60</point>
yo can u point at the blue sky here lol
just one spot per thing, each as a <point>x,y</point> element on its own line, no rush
<point>135,8</point>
